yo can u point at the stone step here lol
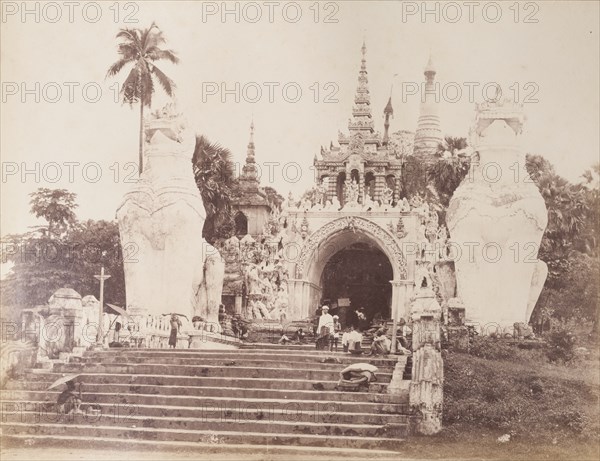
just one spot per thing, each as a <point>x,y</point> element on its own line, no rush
<point>269,361</point>
<point>261,395</point>
<point>389,438</point>
<point>85,448</point>
<point>230,424</point>
<point>325,413</point>
<point>370,404</point>
<point>276,346</point>
<point>254,354</point>
<point>208,370</point>
<point>158,380</point>
<point>205,391</point>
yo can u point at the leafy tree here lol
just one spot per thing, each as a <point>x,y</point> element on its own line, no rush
<point>44,261</point>
<point>56,206</point>
<point>414,178</point>
<point>566,203</point>
<point>273,197</point>
<point>214,174</point>
<point>569,245</point>
<point>141,47</point>
<point>96,244</point>
<point>574,292</point>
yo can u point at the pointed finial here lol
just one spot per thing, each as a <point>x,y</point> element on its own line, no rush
<point>252,130</point>
<point>388,108</point>
<point>429,68</point>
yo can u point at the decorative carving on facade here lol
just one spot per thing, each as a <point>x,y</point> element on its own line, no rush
<point>387,195</point>
<point>399,230</point>
<point>353,192</point>
<point>319,236</point>
<point>304,230</point>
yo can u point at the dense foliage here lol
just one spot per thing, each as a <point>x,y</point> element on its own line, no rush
<point>45,261</point>
<point>214,173</point>
<point>569,245</point>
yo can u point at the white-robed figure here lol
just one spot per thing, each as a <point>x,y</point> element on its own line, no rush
<point>324,328</point>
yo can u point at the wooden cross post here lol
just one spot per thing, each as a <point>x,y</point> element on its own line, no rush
<point>102,277</point>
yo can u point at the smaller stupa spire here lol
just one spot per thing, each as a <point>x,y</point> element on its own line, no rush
<point>428,134</point>
<point>430,69</point>
<point>250,152</point>
<point>388,111</point>
<point>361,112</point>
<point>363,60</point>
<point>250,170</point>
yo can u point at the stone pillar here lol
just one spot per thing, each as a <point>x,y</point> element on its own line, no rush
<point>446,278</point>
<point>238,304</point>
<point>401,293</point>
<point>303,299</point>
<point>332,188</point>
<point>379,186</point>
<point>426,388</point>
<point>361,187</point>
<point>397,187</point>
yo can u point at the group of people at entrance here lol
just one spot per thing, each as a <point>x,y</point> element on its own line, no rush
<point>329,335</point>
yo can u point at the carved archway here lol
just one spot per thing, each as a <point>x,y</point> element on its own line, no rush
<point>353,223</point>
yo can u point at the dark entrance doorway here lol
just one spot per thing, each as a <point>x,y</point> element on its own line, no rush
<point>361,272</point>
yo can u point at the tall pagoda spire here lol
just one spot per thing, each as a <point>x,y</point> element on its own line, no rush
<point>387,112</point>
<point>250,170</point>
<point>362,121</point>
<point>429,134</point>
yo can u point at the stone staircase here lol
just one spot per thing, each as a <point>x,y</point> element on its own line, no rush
<point>261,394</point>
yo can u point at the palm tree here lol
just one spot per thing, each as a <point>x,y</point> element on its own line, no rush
<point>141,47</point>
<point>450,167</point>
<point>452,145</point>
<point>215,177</point>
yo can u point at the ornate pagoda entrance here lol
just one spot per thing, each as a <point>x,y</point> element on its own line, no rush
<point>358,276</point>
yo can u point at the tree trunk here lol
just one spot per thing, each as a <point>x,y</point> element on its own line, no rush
<point>141,154</point>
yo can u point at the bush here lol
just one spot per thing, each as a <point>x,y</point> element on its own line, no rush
<point>491,348</point>
<point>560,345</point>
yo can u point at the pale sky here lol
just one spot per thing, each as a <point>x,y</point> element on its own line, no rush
<point>557,57</point>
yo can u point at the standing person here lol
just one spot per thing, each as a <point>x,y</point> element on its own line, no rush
<point>324,328</point>
<point>403,334</point>
<point>175,327</point>
<point>315,322</point>
<point>335,336</point>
